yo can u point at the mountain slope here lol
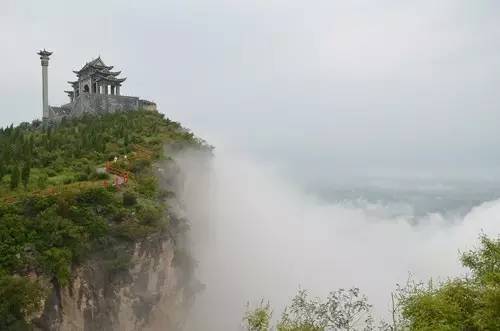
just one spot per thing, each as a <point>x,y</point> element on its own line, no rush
<point>82,218</point>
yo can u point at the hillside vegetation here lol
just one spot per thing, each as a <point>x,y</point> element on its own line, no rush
<point>58,205</point>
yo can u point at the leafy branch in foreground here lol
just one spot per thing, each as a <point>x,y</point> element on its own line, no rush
<point>258,319</point>
<point>470,303</point>
<point>342,310</point>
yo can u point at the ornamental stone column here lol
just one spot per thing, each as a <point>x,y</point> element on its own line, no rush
<point>44,57</point>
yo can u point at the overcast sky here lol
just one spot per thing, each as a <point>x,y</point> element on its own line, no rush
<point>322,85</point>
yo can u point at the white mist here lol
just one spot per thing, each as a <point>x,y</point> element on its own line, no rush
<point>257,236</point>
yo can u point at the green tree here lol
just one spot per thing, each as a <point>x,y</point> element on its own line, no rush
<point>25,174</point>
<point>470,303</point>
<point>57,262</point>
<point>14,177</point>
<point>342,310</point>
<point>42,180</point>
<point>20,298</point>
<point>2,167</point>
<point>259,318</point>
<point>126,140</point>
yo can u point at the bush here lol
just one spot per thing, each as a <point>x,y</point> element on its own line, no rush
<point>131,230</point>
<point>147,185</point>
<point>82,177</point>
<point>129,199</point>
<point>120,216</point>
<point>139,166</point>
<point>57,262</point>
<point>95,196</point>
<point>42,180</point>
<point>20,298</point>
<point>51,172</point>
<point>471,303</point>
<point>14,177</point>
<point>149,215</point>
<point>258,319</point>
<point>102,176</point>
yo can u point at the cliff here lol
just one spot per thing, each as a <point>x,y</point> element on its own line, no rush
<point>107,250</point>
<point>151,295</point>
<point>154,291</point>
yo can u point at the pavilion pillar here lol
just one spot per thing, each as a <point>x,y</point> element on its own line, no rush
<point>112,89</point>
<point>105,88</point>
<point>118,90</point>
<point>44,57</point>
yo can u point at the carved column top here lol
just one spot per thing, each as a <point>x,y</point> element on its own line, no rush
<point>44,56</point>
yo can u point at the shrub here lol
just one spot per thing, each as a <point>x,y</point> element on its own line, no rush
<point>149,215</point>
<point>120,216</point>
<point>139,166</point>
<point>147,185</point>
<point>129,199</point>
<point>81,177</point>
<point>51,172</point>
<point>102,175</point>
<point>98,196</point>
<point>14,177</point>
<point>131,230</point>
<point>20,298</point>
<point>57,262</point>
<point>471,303</point>
<point>258,319</point>
<point>42,180</point>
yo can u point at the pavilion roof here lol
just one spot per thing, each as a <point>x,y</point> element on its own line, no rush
<point>95,64</point>
<point>112,73</point>
<point>110,79</point>
<point>98,71</point>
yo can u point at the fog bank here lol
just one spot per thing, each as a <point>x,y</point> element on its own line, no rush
<point>257,235</point>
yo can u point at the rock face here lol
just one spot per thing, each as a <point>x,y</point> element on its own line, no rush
<point>153,294</point>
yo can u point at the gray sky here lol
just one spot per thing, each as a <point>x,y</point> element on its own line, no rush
<point>325,85</point>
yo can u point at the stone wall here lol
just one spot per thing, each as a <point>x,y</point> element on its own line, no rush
<point>147,105</point>
<point>95,103</point>
<point>99,103</point>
